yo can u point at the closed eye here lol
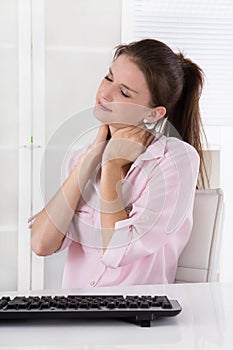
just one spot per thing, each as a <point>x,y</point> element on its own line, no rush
<point>124,94</point>
<point>108,78</point>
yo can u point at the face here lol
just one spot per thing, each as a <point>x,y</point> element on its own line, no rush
<point>123,97</point>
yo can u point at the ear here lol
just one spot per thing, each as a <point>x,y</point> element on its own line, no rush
<point>156,114</point>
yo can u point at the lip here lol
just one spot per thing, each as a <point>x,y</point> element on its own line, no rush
<point>103,107</point>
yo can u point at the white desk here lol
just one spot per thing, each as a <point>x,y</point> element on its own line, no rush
<point>206,322</point>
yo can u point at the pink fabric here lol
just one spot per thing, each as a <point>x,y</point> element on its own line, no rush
<point>158,193</point>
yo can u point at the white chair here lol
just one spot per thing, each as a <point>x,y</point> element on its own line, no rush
<point>199,259</point>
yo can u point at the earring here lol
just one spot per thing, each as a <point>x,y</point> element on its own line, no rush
<point>148,126</point>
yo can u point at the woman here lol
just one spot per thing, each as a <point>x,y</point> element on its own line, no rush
<point>125,210</point>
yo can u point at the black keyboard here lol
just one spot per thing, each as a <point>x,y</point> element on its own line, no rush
<point>143,309</point>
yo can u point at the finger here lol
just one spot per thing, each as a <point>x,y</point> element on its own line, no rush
<point>102,133</point>
<point>149,140</point>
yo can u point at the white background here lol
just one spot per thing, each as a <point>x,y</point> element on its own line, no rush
<point>53,54</point>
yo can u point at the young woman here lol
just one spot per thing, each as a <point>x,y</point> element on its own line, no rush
<point>125,211</point>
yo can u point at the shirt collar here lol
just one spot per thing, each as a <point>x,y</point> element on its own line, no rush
<point>155,150</point>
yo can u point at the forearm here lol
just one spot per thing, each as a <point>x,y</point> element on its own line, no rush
<point>51,224</point>
<point>112,206</point>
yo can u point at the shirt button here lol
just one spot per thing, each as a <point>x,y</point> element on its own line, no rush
<point>92,283</point>
<point>144,217</point>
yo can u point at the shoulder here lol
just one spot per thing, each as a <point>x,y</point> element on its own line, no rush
<point>178,147</point>
<point>165,148</point>
<point>172,153</point>
<point>185,158</point>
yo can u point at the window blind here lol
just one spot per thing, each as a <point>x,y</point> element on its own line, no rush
<point>203,31</point>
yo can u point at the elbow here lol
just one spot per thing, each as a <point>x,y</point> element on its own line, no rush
<point>39,245</point>
<point>38,250</point>
<point>45,240</point>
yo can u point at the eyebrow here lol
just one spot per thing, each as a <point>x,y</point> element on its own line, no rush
<point>127,87</point>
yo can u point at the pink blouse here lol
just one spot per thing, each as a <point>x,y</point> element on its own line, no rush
<point>158,194</point>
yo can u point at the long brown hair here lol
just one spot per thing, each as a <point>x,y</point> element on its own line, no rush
<point>176,83</point>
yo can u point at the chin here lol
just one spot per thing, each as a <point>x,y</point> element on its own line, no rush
<point>115,119</point>
<point>100,115</point>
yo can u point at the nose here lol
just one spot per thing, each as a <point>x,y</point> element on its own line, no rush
<point>107,93</point>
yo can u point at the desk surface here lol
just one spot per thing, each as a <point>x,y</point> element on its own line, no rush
<point>206,322</point>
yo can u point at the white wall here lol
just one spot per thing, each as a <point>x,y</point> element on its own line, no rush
<point>73,41</point>
<point>8,144</point>
<point>80,36</point>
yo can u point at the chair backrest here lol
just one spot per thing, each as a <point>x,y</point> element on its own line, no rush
<point>199,259</point>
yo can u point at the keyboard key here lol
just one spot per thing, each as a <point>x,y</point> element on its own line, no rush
<point>122,305</point>
<point>133,305</point>
<point>144,305</point>
<point>111,305</point>
<point>3,303</point>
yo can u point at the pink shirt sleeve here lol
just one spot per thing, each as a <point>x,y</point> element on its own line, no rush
<point>163,212</point>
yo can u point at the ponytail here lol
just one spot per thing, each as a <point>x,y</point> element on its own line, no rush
<point>176,83</point>
<point>185,115</point>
